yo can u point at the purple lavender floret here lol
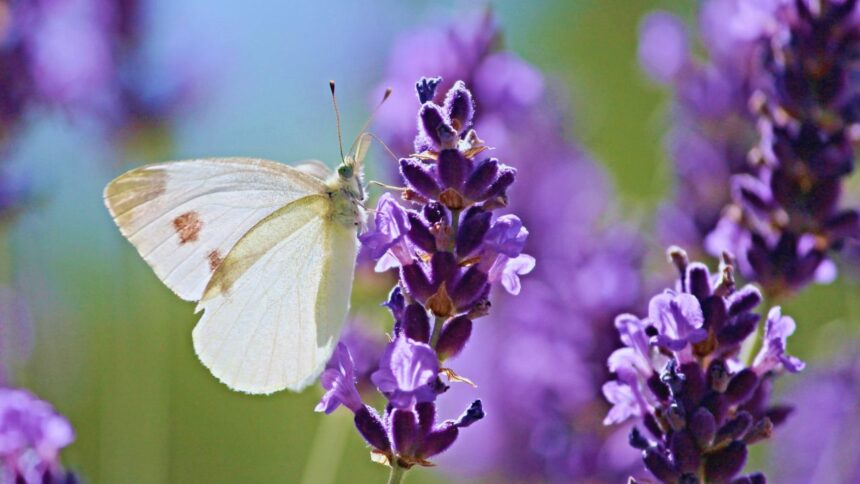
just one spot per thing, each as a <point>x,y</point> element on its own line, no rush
<point>407,371</point>
<point>32,434</point>
<point>699,402</point>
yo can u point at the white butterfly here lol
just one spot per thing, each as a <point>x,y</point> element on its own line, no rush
<point>268,250</point>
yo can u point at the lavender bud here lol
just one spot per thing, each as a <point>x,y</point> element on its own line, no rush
<point>420,235</point>
<point>474,226</point>
<point>762,430</point>
<point>725,463</point>
<point>426,88</point>
<point>460,108</point>
<point>659,465</point>
<point>469,288</point>
<point>699,280</point>
<point>416,323</point>
<point>507,175</point>
<point>418,175</point>
<point>370,427</point>
<point>685,451</point>
<point>455,333</point>
<point>416,281</point>
<point>481,178</point>
<point>746,299</point>
<point>432,122</point>
<point>474,413</point>
<point>742,386</point>
<point>404,431</point>
<point>740,328</point>
<point>444,268</point>
<point>735,428</point>
<point>426,416</point>
<point>703,427</point>
<point>637,440</point>
<point>438,441</point>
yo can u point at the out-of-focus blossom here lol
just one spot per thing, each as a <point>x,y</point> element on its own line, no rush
<point>711,127</point>
<point>818,443</point>
<point>699,402</point>
<point>807,116</point>
<point>763,135</point>
<point>32,434</point>
<point>584,276</point>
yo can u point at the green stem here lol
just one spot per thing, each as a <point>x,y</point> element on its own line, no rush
<point>752,348</point>
<point>437,330</point>
<point>397,473</point>
<point>455,225</point>
<point>327,448</point>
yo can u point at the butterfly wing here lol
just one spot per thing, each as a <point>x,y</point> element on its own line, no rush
<point>184,217</point>
<point>274,309</point>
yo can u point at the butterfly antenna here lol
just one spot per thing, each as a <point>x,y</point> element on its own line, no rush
<point>370,118</point>
<point>387,149</point>
<point>337,118</point>
<point>386,186</point>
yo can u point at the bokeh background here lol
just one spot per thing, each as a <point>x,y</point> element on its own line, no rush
<point>110,347</point>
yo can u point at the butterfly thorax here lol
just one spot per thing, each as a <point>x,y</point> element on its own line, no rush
<point>347,196</point>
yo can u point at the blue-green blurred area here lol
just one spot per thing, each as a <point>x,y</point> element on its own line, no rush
<point>112,346</point>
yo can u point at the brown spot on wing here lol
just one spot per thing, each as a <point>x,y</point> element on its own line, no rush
<point>215,260</point>
<point>187,226</point>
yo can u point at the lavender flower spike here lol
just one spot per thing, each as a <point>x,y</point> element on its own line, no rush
<point>449,250</point>
<point>699,403</point>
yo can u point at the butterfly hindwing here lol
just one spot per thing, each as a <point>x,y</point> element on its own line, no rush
<point>184,217</point>
<point>274,308</point>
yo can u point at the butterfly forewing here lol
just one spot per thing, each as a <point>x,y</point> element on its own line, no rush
<point>184,217</point>
<point>274,308</point>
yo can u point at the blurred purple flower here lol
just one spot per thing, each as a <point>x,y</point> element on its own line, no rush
<point>711,128</point>
<point>780,73</point>
<point>704,406</point>
<point>32,434</point>
<point>584,276</point>
<point>819,443</point>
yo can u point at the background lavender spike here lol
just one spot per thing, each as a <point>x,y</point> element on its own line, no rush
<point>586,273</point>
<point>711,128</point>
<point>680,375</point>
<point>778,196</point>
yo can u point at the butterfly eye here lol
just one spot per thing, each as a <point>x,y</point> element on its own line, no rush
<point>345,171</point>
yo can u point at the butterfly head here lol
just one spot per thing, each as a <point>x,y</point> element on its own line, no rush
<point>349,178</point>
